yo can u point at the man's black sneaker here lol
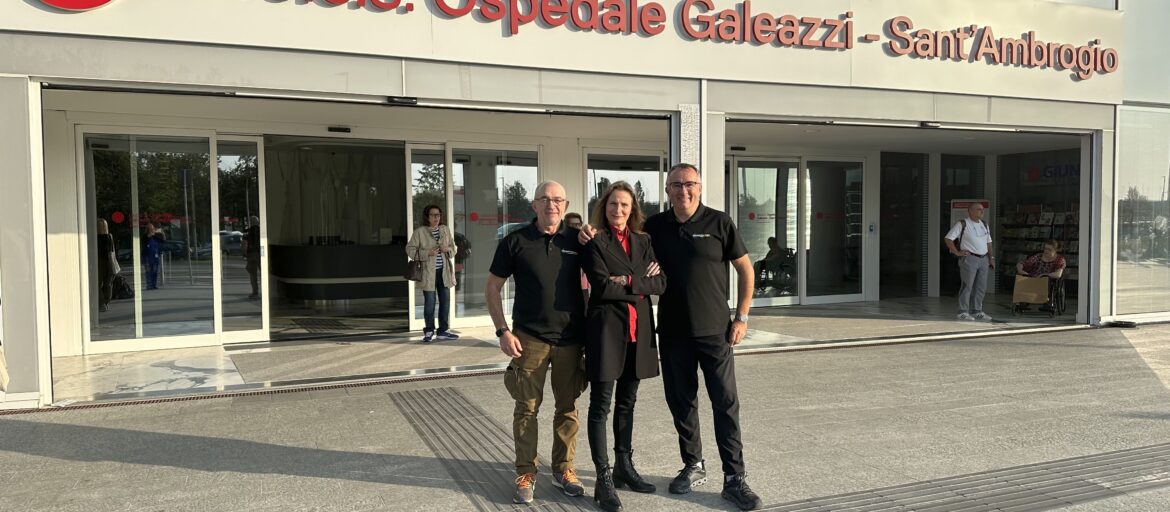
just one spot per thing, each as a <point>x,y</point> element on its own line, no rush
<point>692,475</point>
<point>736,490</point>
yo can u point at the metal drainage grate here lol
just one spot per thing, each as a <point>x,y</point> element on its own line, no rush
<point>1044,486</point>
<point>321,325</point>
<point>476,450</point>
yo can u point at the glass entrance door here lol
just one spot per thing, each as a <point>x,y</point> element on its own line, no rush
<point>243,240</point>
<point>834,213</point>
<point>768,218</point>
<point>802,222</point>
<point>168,217</point>
<point>428,187</point>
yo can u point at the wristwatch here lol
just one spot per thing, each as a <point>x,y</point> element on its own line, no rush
<point>742,318</point>
<point>501,331</point>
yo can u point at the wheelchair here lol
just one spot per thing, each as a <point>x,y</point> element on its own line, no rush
<point>1054,305</point>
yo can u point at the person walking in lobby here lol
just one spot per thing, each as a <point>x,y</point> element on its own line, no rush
<point>152,247</point>
<point>695,244</point>
<point>548,327</point>
<point>620,347</point>
<point>969,240</point>
<point>433,242</point>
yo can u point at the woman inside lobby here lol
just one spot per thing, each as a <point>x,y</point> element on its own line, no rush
<point>620,345</point>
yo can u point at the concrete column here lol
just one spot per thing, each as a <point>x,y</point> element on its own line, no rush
<point>686,136</point>
<point>1098,256</point>
<point>23,273</point>
<point>714,151</point>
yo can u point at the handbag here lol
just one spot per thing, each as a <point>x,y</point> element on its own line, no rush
<point>115,268</point>
<point>414,270</point>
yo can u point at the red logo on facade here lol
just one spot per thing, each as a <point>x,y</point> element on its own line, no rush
<point>76,5</point>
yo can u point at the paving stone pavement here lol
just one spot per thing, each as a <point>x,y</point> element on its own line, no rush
<point>1078,420</point>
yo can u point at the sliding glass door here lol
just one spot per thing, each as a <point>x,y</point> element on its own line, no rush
<point>801,219</point>
<point>164,228</point>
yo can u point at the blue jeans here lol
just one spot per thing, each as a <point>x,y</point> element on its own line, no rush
<point>153,264</point>
<point>444,299</point>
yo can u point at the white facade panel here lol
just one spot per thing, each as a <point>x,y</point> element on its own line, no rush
<point>426,33</point>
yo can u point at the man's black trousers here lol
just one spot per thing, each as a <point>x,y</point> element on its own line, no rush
<point>682,357</point>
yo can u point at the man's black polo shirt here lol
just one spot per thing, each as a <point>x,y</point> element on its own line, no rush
<point>694,255</point>
<point>547,272</point>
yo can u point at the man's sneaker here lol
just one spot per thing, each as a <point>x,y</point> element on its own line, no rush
<point>524,488</point>
<point>982,316</point>
<point>569,483</point>
<point>428,336</point>
<point>736,490</point>
<point>446,335</point>
<point>965,316</point>
<point>692,475</point>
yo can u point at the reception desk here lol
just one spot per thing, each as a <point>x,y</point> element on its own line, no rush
<point>338,272</point>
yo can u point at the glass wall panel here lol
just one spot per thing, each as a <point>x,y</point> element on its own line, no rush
<point>154,193</point>
<point>239,236</point>
<point>1143,210</point>
<point>904,192</point>
<point>767,220</point>
<point>835,229</point>
<point>493,192</point>
<point>640,171</point>
<point>337,235</point>
<point>111,285</point>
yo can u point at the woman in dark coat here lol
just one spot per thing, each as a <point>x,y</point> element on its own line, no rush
<point>620,348</point>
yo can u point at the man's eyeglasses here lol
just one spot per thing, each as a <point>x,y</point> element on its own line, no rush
<point>558,201</point>
<point>676,186</point>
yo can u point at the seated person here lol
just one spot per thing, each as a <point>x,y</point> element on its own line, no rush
<point>773,253</point>
<point>1048,263</point>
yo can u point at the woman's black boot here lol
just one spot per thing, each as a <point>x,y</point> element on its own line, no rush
<point>604,494</point>
<point>624,474</point>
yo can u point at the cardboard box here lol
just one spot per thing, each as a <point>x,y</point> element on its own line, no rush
<point>1030,290</point>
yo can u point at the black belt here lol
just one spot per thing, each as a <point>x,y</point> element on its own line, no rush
<point>978,255</point>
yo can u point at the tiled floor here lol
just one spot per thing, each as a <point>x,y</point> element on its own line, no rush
<point>202,370</point>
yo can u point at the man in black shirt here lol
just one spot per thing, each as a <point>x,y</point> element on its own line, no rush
<point>548,320</point>
<point>694,245</point>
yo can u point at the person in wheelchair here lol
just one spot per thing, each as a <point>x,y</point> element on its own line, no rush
<point>1048,262</point>
<point>776,270</point>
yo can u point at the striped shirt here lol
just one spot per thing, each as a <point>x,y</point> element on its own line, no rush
<point>439,255</point>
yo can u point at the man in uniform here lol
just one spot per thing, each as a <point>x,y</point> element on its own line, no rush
<point>694,244</point>
<point>548,326</point>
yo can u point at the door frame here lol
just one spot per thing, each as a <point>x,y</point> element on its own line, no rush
<point>733,211</point>
<point>803,226</point>
<point>265,331</point>
<point>417,323</point>
<point>84,235</point>
<point>805,298</point>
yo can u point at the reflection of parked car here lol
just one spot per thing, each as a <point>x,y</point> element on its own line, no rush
<point>230,242</point>
<point>176,248</point>
<point>508,228</point>
<point>203,252</point>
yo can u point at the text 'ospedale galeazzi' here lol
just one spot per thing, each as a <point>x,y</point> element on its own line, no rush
<point>699,20</point>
